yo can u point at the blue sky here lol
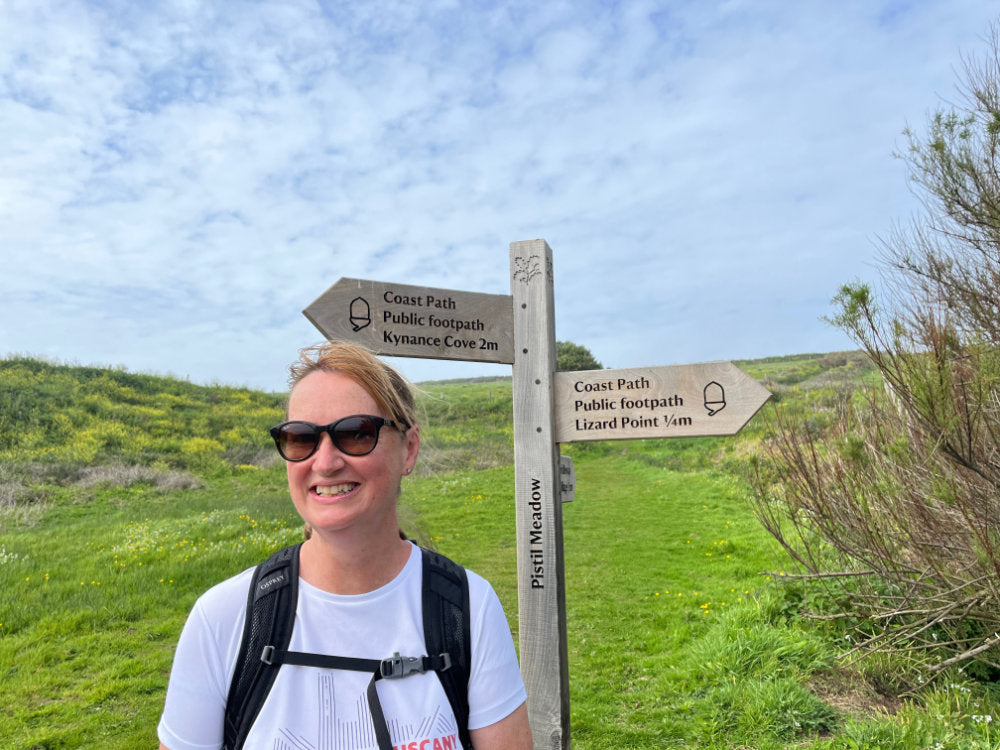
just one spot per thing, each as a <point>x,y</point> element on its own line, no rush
<point>178,180</point>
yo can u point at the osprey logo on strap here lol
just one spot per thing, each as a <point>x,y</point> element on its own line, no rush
<point>277,578</point>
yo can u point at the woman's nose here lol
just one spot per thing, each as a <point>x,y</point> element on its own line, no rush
<point>327,455</point>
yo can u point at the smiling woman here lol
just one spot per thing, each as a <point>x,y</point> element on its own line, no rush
<point>350,437</point>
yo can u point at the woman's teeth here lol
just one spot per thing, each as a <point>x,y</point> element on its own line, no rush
<point>333,490</point>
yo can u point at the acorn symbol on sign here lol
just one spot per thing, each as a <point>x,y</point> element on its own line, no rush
<point>715,398</point>
<point>361,313</point>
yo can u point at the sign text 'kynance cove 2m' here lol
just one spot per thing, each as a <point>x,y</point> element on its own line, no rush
<point>399,320</point>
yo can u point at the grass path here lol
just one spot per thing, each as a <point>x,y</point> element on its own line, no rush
<point>659,567</point>
<point>675,638</point>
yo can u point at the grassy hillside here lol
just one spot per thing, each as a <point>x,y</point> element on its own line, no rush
<point>123,496</point>
<point>84,415</point>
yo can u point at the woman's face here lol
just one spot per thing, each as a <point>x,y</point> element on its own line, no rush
<point>333,491</point>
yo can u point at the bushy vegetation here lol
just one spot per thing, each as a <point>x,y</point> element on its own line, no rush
<point>891,501</point>
<point>570,356</point>
<point>679,632</point>
<point>79,416</point>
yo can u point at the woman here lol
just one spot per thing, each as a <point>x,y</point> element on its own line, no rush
<point>359,589</point>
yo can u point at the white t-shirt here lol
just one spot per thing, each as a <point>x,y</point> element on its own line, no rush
<point>320,709</point>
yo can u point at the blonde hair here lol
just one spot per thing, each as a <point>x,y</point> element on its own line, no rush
<point>385,385</point>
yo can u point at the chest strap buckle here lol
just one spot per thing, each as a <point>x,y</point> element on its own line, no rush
<point>400,666</point>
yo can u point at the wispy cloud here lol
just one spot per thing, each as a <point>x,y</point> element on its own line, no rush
<point>178,181</point>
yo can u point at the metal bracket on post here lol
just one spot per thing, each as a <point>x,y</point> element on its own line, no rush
<point>538,498</point>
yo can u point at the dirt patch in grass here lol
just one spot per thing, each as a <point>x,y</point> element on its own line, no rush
<point>850,694</point>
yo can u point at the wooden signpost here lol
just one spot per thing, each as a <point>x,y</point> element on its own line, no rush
<point>549,408</point>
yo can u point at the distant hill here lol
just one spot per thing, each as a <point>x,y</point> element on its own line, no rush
<point>73,415</point>
<point>80,415</point>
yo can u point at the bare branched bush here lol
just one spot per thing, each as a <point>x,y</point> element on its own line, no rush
<point>128,475</point>
<point>30,484</point>
<point>893,509</point>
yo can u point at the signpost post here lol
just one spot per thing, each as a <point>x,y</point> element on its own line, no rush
<point>541,583</point>
<point>550,408</point>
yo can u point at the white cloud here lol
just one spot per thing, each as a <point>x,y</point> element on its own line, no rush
<point>177,182</point>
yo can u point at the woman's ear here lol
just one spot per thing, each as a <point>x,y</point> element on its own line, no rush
<point>412,437</point>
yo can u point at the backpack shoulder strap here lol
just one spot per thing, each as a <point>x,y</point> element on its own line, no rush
<point>270,617</point>
<point>447,630</point>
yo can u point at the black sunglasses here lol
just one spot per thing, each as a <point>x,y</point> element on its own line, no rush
<point>356,435</point>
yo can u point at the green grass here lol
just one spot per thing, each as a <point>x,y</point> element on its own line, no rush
<point>677,637</point>
<point>92,599</point>
<point>659,566</point>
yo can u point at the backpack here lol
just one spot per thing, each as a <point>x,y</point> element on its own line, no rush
<point>267,631</point>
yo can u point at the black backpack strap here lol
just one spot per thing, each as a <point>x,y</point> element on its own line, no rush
<point>270,617</point>
<point>268,627</point>
<point>447,630</point>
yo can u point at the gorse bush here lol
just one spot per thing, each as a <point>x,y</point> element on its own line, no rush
<point>892,505</point>
<point>52,413</point>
